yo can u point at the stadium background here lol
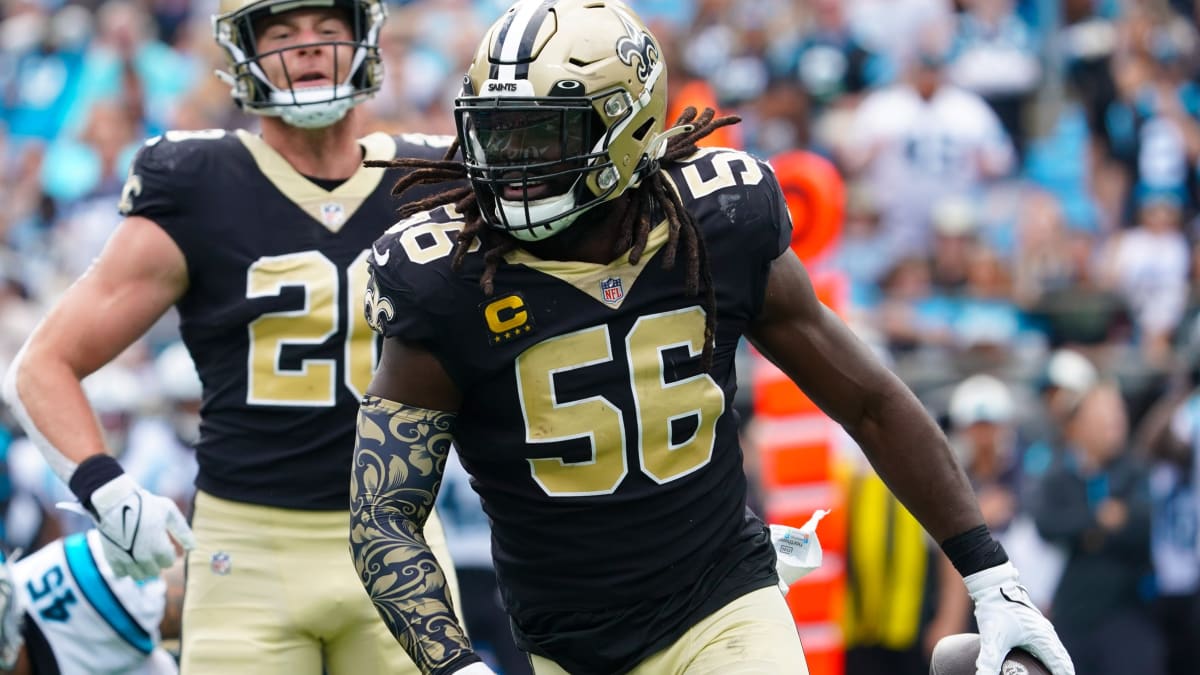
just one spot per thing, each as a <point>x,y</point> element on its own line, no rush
<point>953,246</point>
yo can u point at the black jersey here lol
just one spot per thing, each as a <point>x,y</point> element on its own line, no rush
<point>608,462</point>
<point>272,314</point>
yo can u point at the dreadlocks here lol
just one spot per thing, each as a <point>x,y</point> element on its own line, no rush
<point>636,221</point>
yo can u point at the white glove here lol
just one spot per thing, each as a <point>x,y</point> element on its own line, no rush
<point>11,639</point>
<point>477,668</point>
<point>1007,618</point>
<point>134,525</point>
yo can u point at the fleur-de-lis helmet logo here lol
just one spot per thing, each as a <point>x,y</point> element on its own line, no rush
<point>377,308</point>
<point>636,44</point>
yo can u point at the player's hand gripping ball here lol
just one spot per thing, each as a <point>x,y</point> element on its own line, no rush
<point>956,654</point>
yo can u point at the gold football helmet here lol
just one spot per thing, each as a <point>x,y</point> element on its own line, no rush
<point>307,107</point>
<point>562,109</point>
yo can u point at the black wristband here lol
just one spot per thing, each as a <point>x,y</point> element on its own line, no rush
<point>90,475</point>
<point>974,551</point>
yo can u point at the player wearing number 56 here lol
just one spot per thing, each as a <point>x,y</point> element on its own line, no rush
<point>261,243</point>
<point>569,320</point>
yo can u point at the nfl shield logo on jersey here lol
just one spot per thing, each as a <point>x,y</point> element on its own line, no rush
<point>613,289</point>
<point>221,564</point>
<point>333,213</point>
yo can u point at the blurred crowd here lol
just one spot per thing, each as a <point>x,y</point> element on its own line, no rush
<point>1021,242</point>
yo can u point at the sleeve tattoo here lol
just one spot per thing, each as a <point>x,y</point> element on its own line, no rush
<point>399,456</point>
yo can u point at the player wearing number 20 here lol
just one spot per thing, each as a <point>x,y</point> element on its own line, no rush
<point>570,320</point>
<point>261,243</point>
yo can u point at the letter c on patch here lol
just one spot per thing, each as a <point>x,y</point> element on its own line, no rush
<point>506,314</point>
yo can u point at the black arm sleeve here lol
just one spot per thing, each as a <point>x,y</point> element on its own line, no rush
<point>399,456</point>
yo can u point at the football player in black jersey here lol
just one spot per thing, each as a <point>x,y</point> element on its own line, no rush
<point>569,320</point>
<point>261,243</point>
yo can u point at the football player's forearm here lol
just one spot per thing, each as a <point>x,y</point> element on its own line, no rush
<point>48,400</point>
<point>820,353</point>
<point>399,456</point>
<point>137,278</point>
<point>913,458</point>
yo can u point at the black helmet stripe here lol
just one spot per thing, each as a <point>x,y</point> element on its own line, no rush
<point>514,44</point>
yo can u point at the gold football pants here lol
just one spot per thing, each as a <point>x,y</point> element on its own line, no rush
<point>753,635</point>
<point>273,591</point>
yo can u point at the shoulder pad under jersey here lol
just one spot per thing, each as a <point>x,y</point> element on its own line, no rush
<point>731,193</point>
<point>412,280</point>
<point>169,170</point>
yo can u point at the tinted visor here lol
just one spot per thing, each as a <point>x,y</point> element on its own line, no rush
<point>527,135</point>
<point>532,150</point>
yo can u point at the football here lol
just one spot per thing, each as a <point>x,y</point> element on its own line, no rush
<point>955,655</point>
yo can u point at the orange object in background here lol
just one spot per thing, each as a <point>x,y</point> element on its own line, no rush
<point>789,461</point>
<point>795,443</point>
<point>816,198</point>
<point>795,440</point>
<point>819,598</point>
<point>793,450</point>
<point>774,394</point>
<point>823,649</point>
<point>699,94</point>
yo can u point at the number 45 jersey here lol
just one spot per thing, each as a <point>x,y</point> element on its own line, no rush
<point>83,620</point>
<point>607,461</point>
<point>272,315</point>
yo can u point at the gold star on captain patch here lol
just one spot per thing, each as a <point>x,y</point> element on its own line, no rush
<point>507,318</point>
